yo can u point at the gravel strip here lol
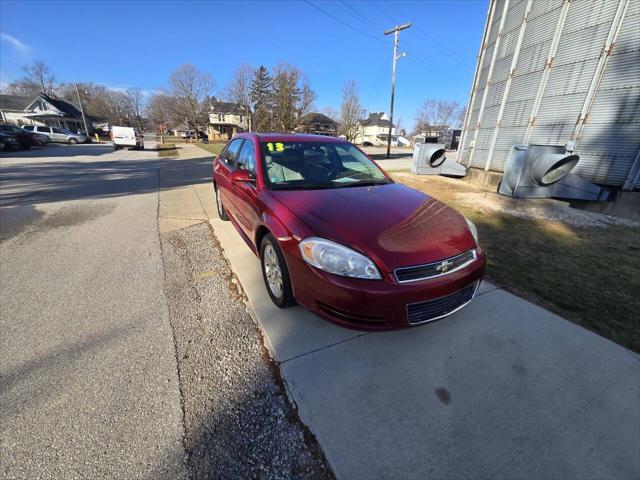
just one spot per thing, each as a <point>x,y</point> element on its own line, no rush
<point>238,420</point>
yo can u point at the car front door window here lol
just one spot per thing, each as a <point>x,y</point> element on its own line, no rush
<point>231,154</point>
<point>247,158</point>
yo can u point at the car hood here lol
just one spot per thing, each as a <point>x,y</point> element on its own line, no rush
<point>393,224</point>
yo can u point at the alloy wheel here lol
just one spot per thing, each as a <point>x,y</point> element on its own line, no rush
<point>272,271</point>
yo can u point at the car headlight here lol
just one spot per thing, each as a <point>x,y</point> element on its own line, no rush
<point>335,258</point>
<point>474,230</point>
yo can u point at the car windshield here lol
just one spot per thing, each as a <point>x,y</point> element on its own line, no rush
<point>315,165</point>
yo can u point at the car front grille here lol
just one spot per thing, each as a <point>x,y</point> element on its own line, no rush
<point>441,306</point>
<point>435,269</point>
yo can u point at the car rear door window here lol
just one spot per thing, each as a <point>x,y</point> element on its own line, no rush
<point>247,158</point>
<point>231,154</point>
<point>44,129</point>
<point>28,128</point>
<point>58,130</point>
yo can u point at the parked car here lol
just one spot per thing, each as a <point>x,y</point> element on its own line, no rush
<point>336,234</point>
<point>127,137</point>
<point>8,142</point>
<point>57,134</point>
<point>38,138</point>
<point>26,139</point>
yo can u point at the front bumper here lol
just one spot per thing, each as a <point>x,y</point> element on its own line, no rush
<point>377,304</point>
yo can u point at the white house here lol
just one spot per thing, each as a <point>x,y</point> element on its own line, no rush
<point>226,119</point>
<point>41,110</point>
<point>374,131</point>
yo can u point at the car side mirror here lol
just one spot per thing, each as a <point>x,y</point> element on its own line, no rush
<point>241,176</point>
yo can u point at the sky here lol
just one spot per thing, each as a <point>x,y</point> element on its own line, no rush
<point>127,44</point>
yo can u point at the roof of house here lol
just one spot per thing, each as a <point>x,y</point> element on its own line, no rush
<point>67,108</point>
<point>14,102</point>
<point>313,117</point>
<point>227,107</point>
<point>19,103</point>
<point>375,120</point>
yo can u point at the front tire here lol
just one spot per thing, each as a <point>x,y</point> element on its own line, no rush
<point>222,212</point>
<point>72,141</point>
<point>275,273</point>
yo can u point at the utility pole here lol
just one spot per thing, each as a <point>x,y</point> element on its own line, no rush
<point>395,31</point>
<point>84,119</point>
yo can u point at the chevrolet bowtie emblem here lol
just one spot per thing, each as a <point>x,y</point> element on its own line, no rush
<point>444,266</point>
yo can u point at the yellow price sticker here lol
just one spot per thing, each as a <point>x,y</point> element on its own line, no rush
<point>275,147</point>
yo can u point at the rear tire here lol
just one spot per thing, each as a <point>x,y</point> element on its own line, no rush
<point>222,212</point>
<point>275,273</point>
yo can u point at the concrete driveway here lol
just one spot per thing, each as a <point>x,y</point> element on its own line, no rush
<point>88,375</point>
<point>501,389</point>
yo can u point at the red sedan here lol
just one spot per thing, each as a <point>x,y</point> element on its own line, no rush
<point>335,233</point>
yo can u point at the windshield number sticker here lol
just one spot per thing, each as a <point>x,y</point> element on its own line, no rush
<point>275,147</point>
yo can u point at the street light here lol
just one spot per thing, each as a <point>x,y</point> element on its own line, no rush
<point>395,31</point>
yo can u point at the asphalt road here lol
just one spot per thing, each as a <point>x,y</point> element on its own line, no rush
<point>89,384</point>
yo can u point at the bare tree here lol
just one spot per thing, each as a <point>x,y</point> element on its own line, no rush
<point>22,89</point>
<point>436,114</point>
<point>136,104</point>
<point>462,113</point>
<point>350,109</point>
<point>161,109</point>
<point>191,88</point>
<point>119,108</point>
<point>238,90</point>
<point>331,112</point>
<point>38,78</point>
<point>400,130</point>
<point>41,75</point>
<point>307,98</point>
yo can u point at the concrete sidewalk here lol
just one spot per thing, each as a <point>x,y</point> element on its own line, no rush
<point>501,389</point>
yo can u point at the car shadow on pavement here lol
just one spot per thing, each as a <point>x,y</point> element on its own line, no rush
<point>60,150</point>
<point>44,182</point>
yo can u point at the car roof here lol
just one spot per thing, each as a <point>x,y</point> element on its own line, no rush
<point>289,137</point>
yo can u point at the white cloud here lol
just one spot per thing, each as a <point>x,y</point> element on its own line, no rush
<point>121,89</point>
<point>117,89</point>
<point>20,46</point>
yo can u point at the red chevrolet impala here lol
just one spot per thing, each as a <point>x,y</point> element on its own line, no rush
<point>334,233</point>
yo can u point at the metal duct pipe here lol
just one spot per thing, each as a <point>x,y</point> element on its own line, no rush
<point>436,156</point>
<point>544,171</point>
<point>550,168</point>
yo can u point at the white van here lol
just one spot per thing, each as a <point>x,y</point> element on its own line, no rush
<point>126,137</point>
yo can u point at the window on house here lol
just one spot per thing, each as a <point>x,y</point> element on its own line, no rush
<point>221,117</point>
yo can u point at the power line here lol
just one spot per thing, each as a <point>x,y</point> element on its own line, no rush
<point>345,23</point>
<point>356,12</point>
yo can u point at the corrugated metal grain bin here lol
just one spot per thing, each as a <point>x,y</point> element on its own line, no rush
<point>552,72</point>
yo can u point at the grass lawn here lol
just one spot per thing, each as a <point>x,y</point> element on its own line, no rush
<point>590,275</point>
<point>167,149</point>
<point>212,147</point>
